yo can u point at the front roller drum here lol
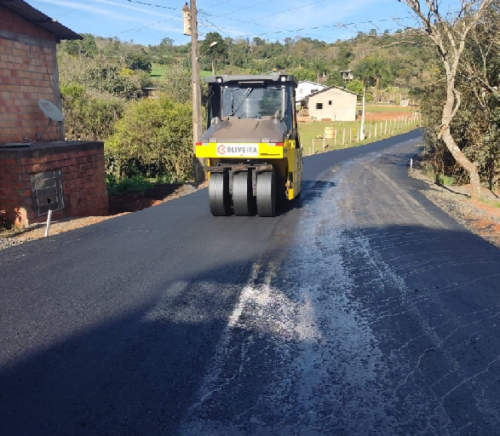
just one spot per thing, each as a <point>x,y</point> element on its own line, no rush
<point>218,194</point>
<point>266,193</point>
<point>243,198</point>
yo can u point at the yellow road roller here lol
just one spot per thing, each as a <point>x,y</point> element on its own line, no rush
<point>251,145</point>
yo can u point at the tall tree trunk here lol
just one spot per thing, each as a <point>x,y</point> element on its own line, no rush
<point>452,146</point>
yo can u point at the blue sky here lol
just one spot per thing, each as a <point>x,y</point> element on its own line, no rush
<point>269,19</point>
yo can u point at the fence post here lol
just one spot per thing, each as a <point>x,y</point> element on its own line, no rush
<point>313,147</point>
<point>376,125</point>
<point>370,131</point>
<point>385,127</point>
<point>335,139</point>
<point>324,142</point>
<point>350,135</point>
<point>343,139</point>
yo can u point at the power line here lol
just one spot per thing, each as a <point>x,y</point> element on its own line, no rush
<point>248,7</point>
<point>220,3</point>
<point>288,10</point>
<point>139,29</point>
<point>212,25</point>
<point>244,22</point>
<point>153,5</point>
<point>75,9</point>
<point>335,25</point>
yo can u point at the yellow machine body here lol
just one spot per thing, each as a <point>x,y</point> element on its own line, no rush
<point>285,158</point>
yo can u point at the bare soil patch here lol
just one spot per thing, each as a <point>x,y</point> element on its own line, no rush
<point>480,218</point>
<point>386,116</point>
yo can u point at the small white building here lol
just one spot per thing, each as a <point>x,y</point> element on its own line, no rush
<point>305,88</point>
<point>332,104</point>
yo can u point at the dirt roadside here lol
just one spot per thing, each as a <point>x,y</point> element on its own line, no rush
<point>480,217</point>
<point>119,205</point>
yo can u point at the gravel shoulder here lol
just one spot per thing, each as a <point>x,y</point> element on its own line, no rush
<point>481,218</point>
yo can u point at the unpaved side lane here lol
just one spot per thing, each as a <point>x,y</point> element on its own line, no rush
<point>381,319</point>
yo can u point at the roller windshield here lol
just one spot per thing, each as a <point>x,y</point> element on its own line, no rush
<point>252,102</point>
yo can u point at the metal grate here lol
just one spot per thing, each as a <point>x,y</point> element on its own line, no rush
<point>47,192</point>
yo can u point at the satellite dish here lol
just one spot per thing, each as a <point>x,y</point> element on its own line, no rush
<point>51,110</point>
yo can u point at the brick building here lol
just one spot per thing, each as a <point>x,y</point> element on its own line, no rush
<point>66,177</point>
<point>28,70</point>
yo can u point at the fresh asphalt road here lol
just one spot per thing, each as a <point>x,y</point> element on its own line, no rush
<point>364,310</point>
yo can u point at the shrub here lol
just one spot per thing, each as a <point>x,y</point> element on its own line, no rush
<point>136,183</point>
<point>89,116</point>
<point>177,83</point>
<point>441,179</point>
<point>154,137</point>
<point>108,78</point>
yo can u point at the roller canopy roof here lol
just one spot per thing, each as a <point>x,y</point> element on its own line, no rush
<point>224,78</point>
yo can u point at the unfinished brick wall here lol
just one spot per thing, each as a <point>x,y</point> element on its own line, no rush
<point>28,72</point>
<point>83,180</point>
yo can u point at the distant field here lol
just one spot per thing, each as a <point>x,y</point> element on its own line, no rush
<point>311,131</point>
<point>158,71</point>
<point>376,108</point>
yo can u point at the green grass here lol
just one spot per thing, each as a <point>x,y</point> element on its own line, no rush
<point>310,131</point>
<point>492,203</point>
<point>158,71</point>
<point>377,108</point>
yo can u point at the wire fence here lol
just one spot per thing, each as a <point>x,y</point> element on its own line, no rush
<point>344,137</point>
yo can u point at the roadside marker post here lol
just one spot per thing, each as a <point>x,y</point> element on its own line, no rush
<point>49,219</point>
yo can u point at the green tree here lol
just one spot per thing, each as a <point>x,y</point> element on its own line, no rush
<point>85,47</point>
<point>374,71</point>
<point>217,53</point>
<point>355,86</point>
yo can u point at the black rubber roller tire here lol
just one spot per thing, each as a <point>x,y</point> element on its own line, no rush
<point>243,198</point>
<point>266,194</point>
<point>218,194</point>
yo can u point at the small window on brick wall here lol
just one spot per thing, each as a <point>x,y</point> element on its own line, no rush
<point>319,105</point>
<point>47,191</point>
<point>329,102</point>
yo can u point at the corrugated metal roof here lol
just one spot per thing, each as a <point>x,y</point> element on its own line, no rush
<point>34,16</point>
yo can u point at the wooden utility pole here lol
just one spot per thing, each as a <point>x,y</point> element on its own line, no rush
<point>362,132</point>
<point>199,172</point>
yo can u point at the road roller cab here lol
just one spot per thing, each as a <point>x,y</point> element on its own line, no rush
<point>251,146</point>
